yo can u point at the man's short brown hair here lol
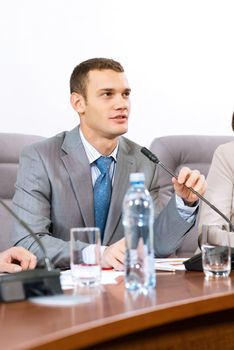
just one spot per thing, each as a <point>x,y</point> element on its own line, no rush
<point>78,80</point>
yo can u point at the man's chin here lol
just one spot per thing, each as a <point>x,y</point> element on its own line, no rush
<point>114,132</point>
<point>121,129</point>
<point>120,132</point>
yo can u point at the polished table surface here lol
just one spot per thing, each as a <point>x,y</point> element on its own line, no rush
<point>113,313</point>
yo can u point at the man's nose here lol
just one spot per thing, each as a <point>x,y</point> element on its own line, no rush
<point>121,102</point>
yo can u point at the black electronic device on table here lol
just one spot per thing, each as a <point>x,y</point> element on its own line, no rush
<point>195,262</point>
<point>30,283</point>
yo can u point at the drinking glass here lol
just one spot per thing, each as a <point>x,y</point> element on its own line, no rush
<point>85,256</point>
<point>216,251</point>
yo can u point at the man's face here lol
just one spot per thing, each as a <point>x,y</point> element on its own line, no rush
<point>105,111</point>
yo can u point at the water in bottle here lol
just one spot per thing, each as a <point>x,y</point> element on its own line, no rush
<point>138,220</point>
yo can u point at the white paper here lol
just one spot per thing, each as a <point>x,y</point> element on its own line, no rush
<point>170,264</point>
<point>108,277</point>
<point>111,276</point>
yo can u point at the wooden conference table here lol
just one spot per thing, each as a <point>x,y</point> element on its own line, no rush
<point>184,312</point>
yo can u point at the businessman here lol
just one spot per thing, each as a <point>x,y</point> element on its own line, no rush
<point>79,178</point>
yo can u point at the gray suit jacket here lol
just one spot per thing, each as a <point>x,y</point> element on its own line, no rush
<point>54,193</point>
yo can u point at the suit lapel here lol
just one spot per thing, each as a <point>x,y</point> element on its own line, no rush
<point>77,165</point>
<point>124,166</point>
<point>78,168</point>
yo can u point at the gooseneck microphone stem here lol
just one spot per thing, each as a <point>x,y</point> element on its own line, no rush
<point>155,159</point>
<point>28,229</point>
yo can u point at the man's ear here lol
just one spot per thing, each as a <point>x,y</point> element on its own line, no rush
<point>77,102</point>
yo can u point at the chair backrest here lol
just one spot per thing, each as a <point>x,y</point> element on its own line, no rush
<point>11,146</point>
<point>194,151</point>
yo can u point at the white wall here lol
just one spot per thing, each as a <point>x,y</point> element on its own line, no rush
<point>178,56</point>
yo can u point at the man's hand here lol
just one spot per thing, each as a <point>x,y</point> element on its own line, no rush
<point>17,259</point>
<point>190,178</point>
<point>113,255</point>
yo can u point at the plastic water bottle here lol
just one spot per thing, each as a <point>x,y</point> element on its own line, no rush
<point>138,220</point>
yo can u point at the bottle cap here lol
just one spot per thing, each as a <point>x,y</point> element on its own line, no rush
<point>137,177</point>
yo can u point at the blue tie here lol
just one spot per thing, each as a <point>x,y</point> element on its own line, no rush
<point>102,193</point>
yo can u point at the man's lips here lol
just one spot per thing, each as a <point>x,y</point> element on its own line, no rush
<point>120,116</point>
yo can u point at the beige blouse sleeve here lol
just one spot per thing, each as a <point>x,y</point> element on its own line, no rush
<point>219,191</point>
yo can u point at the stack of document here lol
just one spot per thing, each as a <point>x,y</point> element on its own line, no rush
<point>170,264</point>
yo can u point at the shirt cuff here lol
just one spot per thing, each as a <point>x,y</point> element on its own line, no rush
<point>186,212</point>
<point>88,253</point>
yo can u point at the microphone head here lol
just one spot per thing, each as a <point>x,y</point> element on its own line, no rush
<point>150,155</point>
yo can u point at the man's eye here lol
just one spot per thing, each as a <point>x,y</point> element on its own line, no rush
<point>126,94</point>
<point>107,94</point>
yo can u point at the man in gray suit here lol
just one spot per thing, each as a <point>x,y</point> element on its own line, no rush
<point>56,177</point>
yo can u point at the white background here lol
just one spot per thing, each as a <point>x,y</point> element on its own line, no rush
<point>178,56</point>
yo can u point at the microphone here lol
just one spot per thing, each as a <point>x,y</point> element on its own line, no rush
<point>195,262</point>
<point>155,159</point>
<point>30,283</point>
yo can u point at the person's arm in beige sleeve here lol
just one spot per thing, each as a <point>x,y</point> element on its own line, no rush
<point>16,259</point>
<point>220,185</point>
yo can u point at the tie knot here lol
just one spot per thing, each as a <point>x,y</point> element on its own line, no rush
<point>103,163</point>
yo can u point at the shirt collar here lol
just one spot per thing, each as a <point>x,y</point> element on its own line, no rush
<point>92,153</point>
